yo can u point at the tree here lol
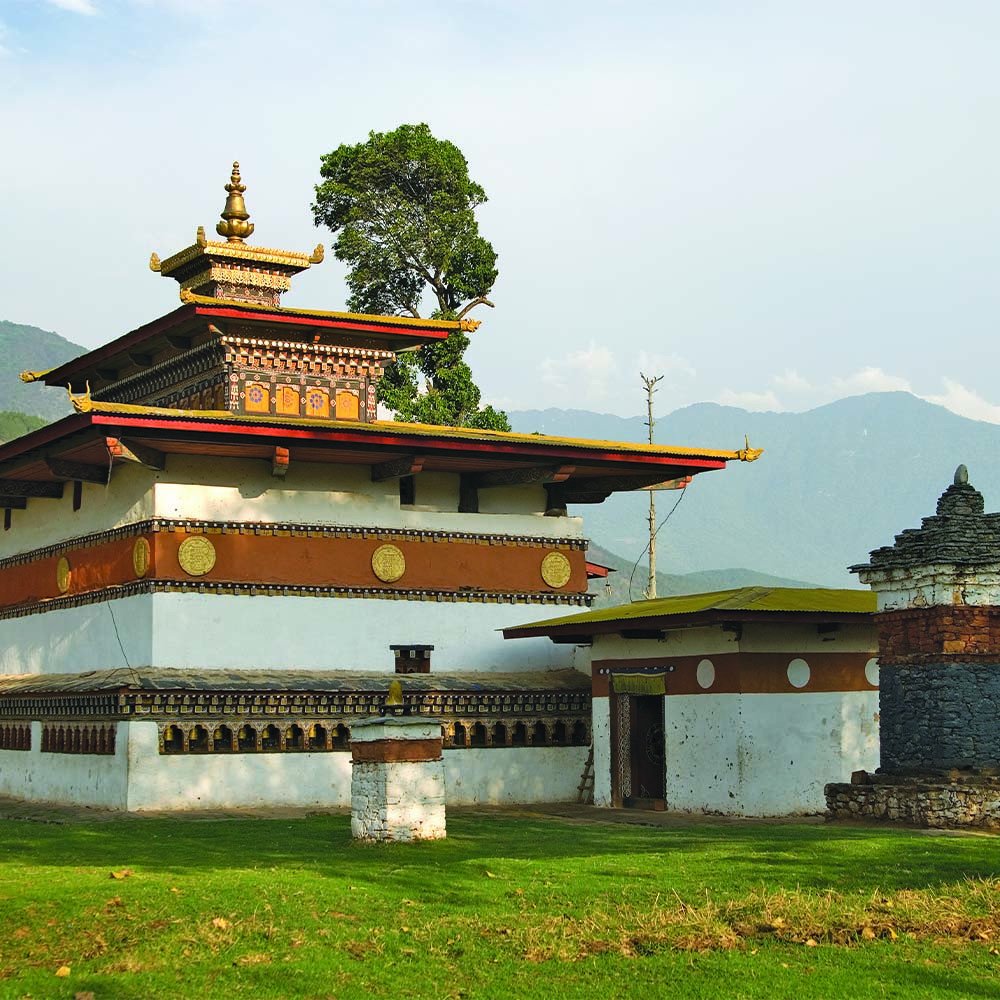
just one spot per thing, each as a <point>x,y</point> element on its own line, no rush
<point>402,207</point>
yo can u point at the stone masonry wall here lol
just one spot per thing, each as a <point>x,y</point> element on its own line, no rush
<point>939,716</point>
<point>962,803</point>
<point>398,801</point>
<point>923,635</point>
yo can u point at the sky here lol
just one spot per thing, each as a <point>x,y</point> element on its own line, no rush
<point>772,204</point>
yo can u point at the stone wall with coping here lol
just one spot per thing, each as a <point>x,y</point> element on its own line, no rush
<point>961,802</point>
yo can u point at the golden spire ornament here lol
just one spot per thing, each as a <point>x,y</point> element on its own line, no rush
<point>235,226</point>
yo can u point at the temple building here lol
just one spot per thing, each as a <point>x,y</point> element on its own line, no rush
<point>222,556</point>
<point>741,702</point>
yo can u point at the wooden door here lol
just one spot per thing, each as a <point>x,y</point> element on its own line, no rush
<point>646,753</point>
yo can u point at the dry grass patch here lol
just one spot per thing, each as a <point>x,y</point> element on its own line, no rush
<point>968,912</point>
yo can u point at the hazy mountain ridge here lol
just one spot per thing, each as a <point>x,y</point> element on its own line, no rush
<point>671,584</point>
<point>833,483</point>
<point>30,348</point>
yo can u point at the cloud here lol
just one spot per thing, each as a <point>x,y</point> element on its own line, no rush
<point>750,400</point>
<point>597,375</point>
<point>588,373</point>
<point>870,380</point>
<point>76,6</point>
<point>793,391</point>
<point>965,402</point>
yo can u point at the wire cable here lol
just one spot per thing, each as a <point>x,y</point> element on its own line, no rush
<point>670,513</point>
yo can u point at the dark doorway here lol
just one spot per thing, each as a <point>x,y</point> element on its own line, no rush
<point>638,752</point>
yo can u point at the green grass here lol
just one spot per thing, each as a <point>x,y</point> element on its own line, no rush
<point>507,906</point>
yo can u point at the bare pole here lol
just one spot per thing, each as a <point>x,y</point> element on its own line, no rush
<point>649,383</point>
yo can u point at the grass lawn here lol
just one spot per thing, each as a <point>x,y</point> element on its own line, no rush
<point>506,907</point>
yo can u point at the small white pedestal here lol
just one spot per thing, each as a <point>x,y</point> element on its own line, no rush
<point>397,779</point>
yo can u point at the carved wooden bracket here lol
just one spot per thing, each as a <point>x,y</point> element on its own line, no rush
<point>408,465</point>
<point>30,488</point>
<point>280,462</point>
<point>82,471</point>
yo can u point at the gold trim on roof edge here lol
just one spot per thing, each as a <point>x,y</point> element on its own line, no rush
<point>238,251</point>
<point>466,325</point>
<point>35,376</point>
<point>83,403</point>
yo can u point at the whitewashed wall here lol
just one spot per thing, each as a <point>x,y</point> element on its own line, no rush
<point>47,522</point>
<point>501,776</point>
<point>96,780</point>
<point>315,633</point>
<point>513,775</point>
<point>601,730</point>
<point>228,781</point>
<point>75,640</point>
<point>243,490</point>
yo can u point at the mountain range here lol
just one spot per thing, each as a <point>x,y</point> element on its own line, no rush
<point>29,348</point>
<point>833,482</point>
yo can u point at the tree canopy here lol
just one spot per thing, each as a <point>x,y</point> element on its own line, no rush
<point>402,207</point>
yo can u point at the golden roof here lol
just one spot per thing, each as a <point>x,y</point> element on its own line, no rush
<point>83,403</point>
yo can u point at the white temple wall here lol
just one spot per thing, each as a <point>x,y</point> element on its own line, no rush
<point>341,633</point>
<point>231,781</point>
<point>513,775</point>
<point>681,642</point>
<point>242,490</point>
<point>702,744</point>
<point>793,744</point>
<point>601,730</point>
<point>74,640</point>
<point>765,754</point>
<point>82,779</point>
<point>47,522</point>
<point>495,776</point>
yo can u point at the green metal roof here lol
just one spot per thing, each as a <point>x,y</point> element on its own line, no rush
<point>743,600</point>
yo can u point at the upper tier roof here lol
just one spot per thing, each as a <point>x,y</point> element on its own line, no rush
<point>202,317</point>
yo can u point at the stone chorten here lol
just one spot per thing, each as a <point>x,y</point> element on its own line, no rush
<point>938,621</point>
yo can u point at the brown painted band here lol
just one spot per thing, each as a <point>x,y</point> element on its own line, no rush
<point>745,673</point>
<point>289,561</point>
<point>396,751</point>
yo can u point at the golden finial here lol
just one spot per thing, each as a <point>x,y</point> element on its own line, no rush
<point>235,226</point>
<point>154,262</point>
<point>316,257</point>
<point>394,698</point>
<point>200,238</point>
<point>469,325</point>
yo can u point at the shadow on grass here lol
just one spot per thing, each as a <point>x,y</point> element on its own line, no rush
<point>723,858</point>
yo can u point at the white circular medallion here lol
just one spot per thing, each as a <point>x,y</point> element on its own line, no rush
<point>798,673</point>
<point>705,674</point>
<point>871,672</point>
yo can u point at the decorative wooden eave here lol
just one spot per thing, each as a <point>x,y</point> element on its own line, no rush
<point>103,435</point>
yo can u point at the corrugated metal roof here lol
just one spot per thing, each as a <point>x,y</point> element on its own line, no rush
<point>743,599</point>
<point>163,679</point>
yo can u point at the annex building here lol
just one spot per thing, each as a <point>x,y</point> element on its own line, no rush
<point>222,557</point>
<point>739,702</point>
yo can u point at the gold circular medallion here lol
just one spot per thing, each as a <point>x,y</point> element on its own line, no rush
<point>63,574</point>
<point>556,570</point>
<point>196,555</point>
<point>388,563</point>
<point>140,557</point>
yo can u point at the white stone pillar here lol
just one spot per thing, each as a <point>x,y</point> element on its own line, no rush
<point>397,779</point>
